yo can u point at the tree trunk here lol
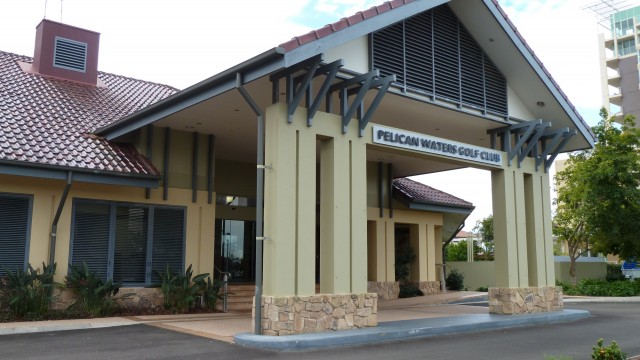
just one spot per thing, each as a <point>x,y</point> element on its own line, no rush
<point>572,269</point>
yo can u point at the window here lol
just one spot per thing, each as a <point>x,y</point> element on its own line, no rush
<point>15,221</point>
<point>626,47</point>
<point>129,243</point>
<point>624,27</point>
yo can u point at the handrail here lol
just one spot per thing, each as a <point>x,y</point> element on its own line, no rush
<point>225,278</point>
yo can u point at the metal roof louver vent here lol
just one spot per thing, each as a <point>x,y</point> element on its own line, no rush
<point>70,54</point>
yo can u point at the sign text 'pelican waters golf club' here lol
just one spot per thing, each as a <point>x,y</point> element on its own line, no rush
<point>435,145</point>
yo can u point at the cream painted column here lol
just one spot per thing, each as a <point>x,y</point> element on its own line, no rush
<point>290,205</point>
<point>280,205</point>
<point>539,231</point>
<point>523,243</point>
<point>431,252</point>
<point>535,225</point>
<point>206,242</point>
<point>522,226</point>
<point>335,213</point>
<point>358,216</point>
<point>376,251</point>
<point>520,205</point>
<point>306,212</point>
<point>418,241</point>
<point>390,245</point>
<point>547,230</point>
<point>438,251</point>
<point>505,232</point>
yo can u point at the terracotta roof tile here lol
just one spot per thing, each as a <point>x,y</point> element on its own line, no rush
<point>426,194</point>
<point>48,121</point>
<point>463,234</point>
<point>342,24</point>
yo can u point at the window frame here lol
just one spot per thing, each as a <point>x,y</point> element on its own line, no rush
<point>27,244</point>
<point>111,237</point>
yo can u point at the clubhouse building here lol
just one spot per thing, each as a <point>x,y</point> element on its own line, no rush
<point>289,170</point>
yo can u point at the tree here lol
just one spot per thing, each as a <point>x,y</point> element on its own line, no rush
<point>599,192</point>
<point>484,228</point>
<point>457,251</point>
<point>569,223</point>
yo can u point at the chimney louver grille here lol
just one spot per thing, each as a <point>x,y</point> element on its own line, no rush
<point>70,54</point>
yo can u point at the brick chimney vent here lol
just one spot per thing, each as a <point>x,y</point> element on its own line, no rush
<point>66,52</point>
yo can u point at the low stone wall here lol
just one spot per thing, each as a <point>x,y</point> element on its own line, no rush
<point>148,298</point>
<point>386,290</point>
<point>286,315</point>
<point>427,287</point>
<point>62,299</point>
<point>511,301</point>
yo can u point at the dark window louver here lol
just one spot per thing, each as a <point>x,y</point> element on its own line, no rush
<point>70,54</point>
<point>14,232</point>
<point>126,242</point>
<point>432,53</point>
<point>168,232</point>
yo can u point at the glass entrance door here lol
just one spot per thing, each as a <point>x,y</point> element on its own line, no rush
<point>235,249</point>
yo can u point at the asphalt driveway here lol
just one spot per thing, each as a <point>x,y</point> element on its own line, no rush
<point>611,321</point>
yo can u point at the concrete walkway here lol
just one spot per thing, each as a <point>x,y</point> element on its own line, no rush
<point>398,319</point>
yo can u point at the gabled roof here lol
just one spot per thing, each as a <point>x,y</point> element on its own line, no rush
<point>46,122</point>
<point>331,36</point>
<point>420,193</point>
<point>342,23</point>
<point>463,234</point>
<point>374,11</point>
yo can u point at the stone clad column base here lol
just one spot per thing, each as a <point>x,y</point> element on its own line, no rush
<point>386,290</point>
<point>427,287</point>
<point>512,301</point>
<point>287,315</point>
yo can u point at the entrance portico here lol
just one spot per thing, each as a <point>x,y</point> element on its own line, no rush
<point>379,94</point>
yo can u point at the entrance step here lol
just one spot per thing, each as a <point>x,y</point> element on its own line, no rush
<point>239,299</point>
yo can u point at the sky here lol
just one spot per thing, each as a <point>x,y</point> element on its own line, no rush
<point>180,43</point>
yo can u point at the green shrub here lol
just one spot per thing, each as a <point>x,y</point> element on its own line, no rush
<point>567,288</point>
<point>27,293</point>
<point>407,291</point>
<point>611,352</point>
<point>93,295</point>
<point>591,287</point>
<point>614,272</point>
<point>404,257</point>
<point>483,289</point>
<point>180,290</point>
<point>455,280</point>
<point>210,291</point>
<point>595,287</point>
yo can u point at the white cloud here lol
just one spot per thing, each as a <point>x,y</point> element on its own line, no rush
<point>174,42</point>
<point>343,8</point>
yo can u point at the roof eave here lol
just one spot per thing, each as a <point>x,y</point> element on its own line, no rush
<point>414,204</point>
<point>250,70</point>
<point>55,172</point>
<point>362,28</point>
<point>439,207</point>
